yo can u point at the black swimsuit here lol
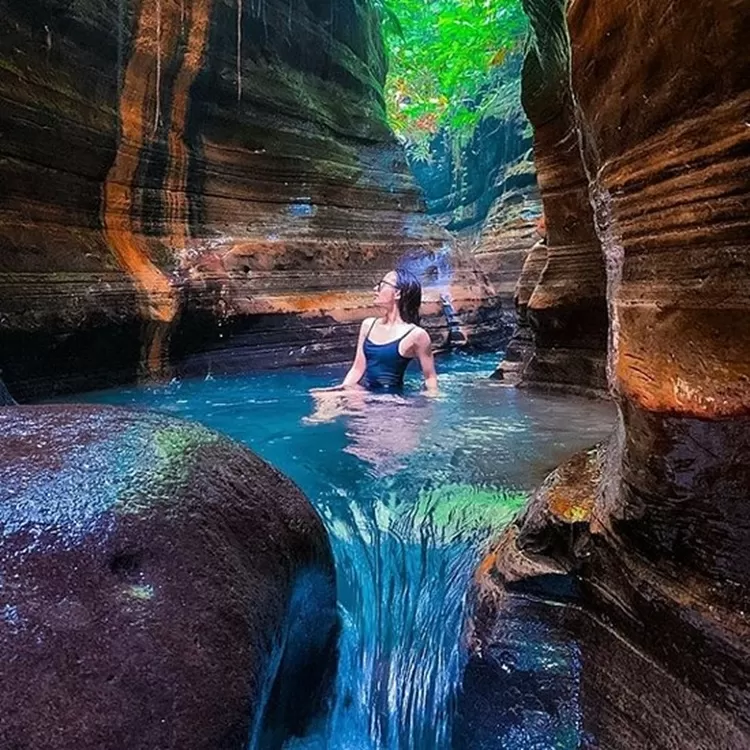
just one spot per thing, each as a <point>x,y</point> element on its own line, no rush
<point>385,364</point>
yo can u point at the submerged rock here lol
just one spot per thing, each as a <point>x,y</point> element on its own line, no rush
<point>160,587</point>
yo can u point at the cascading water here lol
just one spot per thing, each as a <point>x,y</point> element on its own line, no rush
<point>410,488</point>
<point>402,580</point>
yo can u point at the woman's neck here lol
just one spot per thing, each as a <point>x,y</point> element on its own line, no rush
<point>393,317</point>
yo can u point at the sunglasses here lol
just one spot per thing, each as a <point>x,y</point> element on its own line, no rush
<point>380,283</point>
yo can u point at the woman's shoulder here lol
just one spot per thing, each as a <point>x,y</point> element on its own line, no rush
<point>419,334</point>
<point>367,325</point>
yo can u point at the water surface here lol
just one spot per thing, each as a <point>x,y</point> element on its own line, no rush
<point>411,489</point>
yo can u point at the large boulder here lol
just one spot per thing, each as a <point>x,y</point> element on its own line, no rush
<point>160,587</point>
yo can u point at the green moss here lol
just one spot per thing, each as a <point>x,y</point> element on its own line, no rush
<point>140,592</point>
<point>165,465</point>
<point>176,442</point>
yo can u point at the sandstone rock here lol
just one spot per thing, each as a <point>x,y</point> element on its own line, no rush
<point>665,661</point>
<point>460,185</point>
<point>161,587</point>
<point>664,574</point>
<point>521,349</point>
<point>567,309</point>
<point>505,240</point>
<point>192,185</point>
<point>489,203</point>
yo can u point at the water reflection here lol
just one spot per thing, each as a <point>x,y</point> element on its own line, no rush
<point>382,429</point>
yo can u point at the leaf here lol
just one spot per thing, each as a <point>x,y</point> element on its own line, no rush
<point>499,57</point>
<point>394,25</point>
<point>439,76</point>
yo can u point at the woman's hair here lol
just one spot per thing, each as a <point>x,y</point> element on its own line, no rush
<point>411,295</point>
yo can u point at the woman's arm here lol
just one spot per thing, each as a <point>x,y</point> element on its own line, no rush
<point>423,346</point>
<point>357,370</point>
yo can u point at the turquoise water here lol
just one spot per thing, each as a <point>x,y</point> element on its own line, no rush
<point>411,489</point>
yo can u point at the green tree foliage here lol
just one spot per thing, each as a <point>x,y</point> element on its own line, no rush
<point>448,62</point>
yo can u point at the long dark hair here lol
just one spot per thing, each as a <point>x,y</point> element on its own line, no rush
<point>411,295</point>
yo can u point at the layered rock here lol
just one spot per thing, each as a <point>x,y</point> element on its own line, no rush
<point>655,530</point>
<point>521,349</point>
<point>567,309</point>
<point>489,202</point>
<point>180,174</point>
<point>504,241</point>
<point>162,587</point>
<point>460,184</point>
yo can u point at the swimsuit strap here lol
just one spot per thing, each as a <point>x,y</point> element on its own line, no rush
<point>400,338</point>
<point>406,334</point>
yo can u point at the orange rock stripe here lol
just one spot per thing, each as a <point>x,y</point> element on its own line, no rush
<point>176,187</point>
<point>157,297</point>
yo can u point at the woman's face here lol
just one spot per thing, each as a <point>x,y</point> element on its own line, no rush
<point>385,290</point>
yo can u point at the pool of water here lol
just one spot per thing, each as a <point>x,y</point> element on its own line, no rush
<point>411,489</point>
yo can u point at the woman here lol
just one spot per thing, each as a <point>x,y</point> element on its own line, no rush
<point>387,343</point>
<point>385,347</point>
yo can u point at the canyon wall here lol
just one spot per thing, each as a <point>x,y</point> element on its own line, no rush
<point>566,309</point>
<point>486,196</point>
<point>650,533</point>
<point>192,186</point>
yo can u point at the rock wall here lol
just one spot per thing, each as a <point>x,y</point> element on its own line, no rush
<point>5,397</point>
<point>489,202</point>
<point>567,311</point>
<point>192,186</point>
<point>501,244</point>
<point>521,348</point>
<point>653,529</point>
<point>460,185</point>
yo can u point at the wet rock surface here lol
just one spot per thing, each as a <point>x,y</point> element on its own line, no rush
<point>566,310</point>
<point>486,195</point>
<point>521,348</point>
<point>161,587</point>
<point>660,555</point>
<point>659,652</point>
